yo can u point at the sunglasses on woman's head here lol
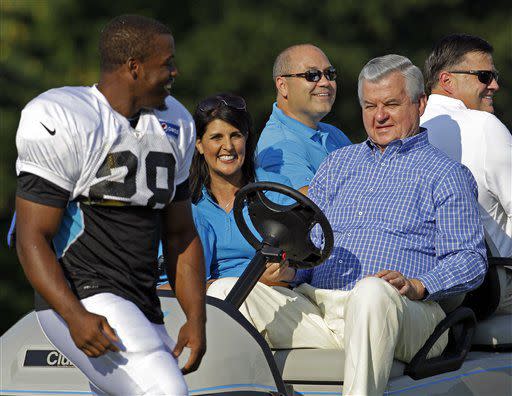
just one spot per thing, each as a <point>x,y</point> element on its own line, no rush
<point>315,75</point>
<point>235,102</point>
<point>484,76</point>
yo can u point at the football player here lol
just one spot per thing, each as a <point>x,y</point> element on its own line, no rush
<point>102,175</point>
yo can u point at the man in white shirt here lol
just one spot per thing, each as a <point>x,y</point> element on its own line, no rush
<point>462,80</point>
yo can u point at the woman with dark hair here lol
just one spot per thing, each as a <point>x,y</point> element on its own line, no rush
<point>222,164</point>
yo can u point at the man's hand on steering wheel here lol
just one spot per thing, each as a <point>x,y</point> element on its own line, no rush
<point>277,274</point>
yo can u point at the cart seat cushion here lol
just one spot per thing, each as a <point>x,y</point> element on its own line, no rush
<point>494,331</point>
<point>317,365</point>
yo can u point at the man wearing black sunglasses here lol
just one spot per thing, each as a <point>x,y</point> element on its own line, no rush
<point>461,67</point>
<point>294,142</point>
<point>462,80</point>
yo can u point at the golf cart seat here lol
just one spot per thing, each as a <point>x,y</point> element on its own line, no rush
<point>494,333</point>
<point>323,365</point>
<point>327,365</point>
<point>493,330</point>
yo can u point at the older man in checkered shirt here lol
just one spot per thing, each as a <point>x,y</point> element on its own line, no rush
<point>406,234</point>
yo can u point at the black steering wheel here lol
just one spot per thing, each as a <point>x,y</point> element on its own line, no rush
<point>286,227</point>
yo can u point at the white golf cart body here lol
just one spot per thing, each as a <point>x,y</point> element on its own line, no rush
<point>239,362</point>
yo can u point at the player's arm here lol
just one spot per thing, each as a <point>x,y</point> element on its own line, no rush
<point>49,164</point>
<point>186,271</point>
<point>36,225</point>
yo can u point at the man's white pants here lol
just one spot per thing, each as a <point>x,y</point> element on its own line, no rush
<point>145,364</point>
<point>372,322</point>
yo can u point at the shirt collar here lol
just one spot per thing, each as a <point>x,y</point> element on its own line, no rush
<point>205,195</point>
<point>293,124</point>
<point>446,101</point>
<point>406,144</point>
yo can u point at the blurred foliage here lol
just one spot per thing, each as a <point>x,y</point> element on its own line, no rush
<point>224,45</point>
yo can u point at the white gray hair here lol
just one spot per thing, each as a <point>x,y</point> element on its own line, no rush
<point>378,68</point>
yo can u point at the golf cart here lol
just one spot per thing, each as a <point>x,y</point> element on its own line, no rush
<point>477,360</point>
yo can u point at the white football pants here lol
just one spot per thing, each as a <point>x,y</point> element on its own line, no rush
<point>145,364</point>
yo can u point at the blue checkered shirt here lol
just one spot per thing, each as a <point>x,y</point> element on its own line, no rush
<point>410,209</point>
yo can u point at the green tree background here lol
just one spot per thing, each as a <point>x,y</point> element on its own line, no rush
<point>223,45</point>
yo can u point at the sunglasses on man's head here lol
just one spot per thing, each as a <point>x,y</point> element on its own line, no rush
<point>316,75</point>
<point>484,76</point>
<point>235,102</point>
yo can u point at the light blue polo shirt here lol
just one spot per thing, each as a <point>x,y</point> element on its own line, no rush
<point>290,148</point>
<point>230,253</point>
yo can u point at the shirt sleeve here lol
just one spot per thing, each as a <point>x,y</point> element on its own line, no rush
<point>36,189</point>
<point>46,146</point>
<point>459,241</point>
<point>288,158</point>
<point>339,137</point>
<point>498,163</point>
<point>187,140</point>
<point>302,276</point>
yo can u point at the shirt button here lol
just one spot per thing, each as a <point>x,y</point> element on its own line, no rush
<point>360,213</point>
<point>371,189</point>
<point>349,234</point>
<point>382,164</point>
<point>340,261</point>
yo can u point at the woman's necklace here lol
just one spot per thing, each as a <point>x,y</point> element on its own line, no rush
<point>229,203</point>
